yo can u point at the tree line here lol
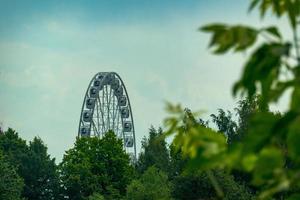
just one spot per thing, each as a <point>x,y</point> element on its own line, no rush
<point>98,168</point>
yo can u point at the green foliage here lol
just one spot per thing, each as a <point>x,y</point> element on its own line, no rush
<point>153,185</point>
<point>96,165</point>
<point>33,164</point>
<point>96,196</point>
<point>197,185</point>
<point>269,149</point>
<point>40,173</point>
<point>280,8</point>
<point>177,162</point>
<point>262,70</point>
<point>11,184</point>
<point>225,124</point>
<point>14,148</point>
<point>245,110</point>
<point>230,37</point>
<point>154,152</point>
<point>201,144</point>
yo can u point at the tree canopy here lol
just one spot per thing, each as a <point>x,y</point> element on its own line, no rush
<point>152,185</point>
<point>11,184</point>
<point>96,165</point>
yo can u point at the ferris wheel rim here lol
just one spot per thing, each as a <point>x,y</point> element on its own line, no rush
<point>86,96</point>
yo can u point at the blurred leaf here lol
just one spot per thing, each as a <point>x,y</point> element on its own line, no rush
<point>225,37</point>
<point>253,4</point>
<point>273,31</point>
<point>262,70</point>
<point>269,160</point>
<point>281,126</point>
<point>203,146</point>
<point>293,140</point>
<point>294,197</point>
<point>295,101</point>
<point>248,162</point>
<point>279,7</point>
<point>279,88</point>
<point>260,131</point>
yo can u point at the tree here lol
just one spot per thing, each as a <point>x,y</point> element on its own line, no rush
<point>96,196</point>
<point>96,165</point>
<point>14,148</point>
<point>177,162</point>
<point>261,153</point>
<point>11,184</point>
<point>153,185</point>
<point>197,185</point>
<point>154,152</point>
<point>33,164</point>
<point>40,173</point>
<point>225,124</point>
<point>245,110</point>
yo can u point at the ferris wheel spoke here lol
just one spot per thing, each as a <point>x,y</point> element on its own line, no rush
<point>118,120</point>
<point>115,114</point>
<point>106,111</point>
<point>103,110</point>
<point>100,108</point>
<point>110,107</point>
<point>95,128</point>
<point>107,107</point>
<point>98,116</point>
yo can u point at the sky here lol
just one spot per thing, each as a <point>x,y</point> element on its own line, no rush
<point>50,50</point>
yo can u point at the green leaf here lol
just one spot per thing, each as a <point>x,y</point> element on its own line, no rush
<point>279,88</point>
<point>295,101</point>
<point>253,4</point>
<point>294,197</point>
<point>212,27</point>
<point>273,31</point>
<point>270,159</point>
<point>205,147</point>
<point>293,140</point>
<point>260,131</point>
<point>291,9</point>
<point>279,7</point>
<point>262,70</point>
<point>248,162</point>
<point>225,38</point>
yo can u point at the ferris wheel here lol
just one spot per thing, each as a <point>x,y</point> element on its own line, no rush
<point>106,107</point>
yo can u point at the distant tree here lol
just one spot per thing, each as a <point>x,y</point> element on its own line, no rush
<point>177,162</point>
<point>96,165</point>
<point>11,184</point>
<point>14,149</point>
<point>96,196</point>
<point>236,131</point>
<point>245,110</point>
<point>33,164</point>
<point>154,152</point>
<point>225,124</point>
<point>153,185</point>
<point>197,185</point>
<point>40,173</point>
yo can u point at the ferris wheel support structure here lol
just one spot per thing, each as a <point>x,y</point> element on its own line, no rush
<point>106,107</point>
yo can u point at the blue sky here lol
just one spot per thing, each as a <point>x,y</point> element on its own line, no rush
<point>49,51</point>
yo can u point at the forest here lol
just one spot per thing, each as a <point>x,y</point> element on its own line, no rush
<point>250,152</point>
